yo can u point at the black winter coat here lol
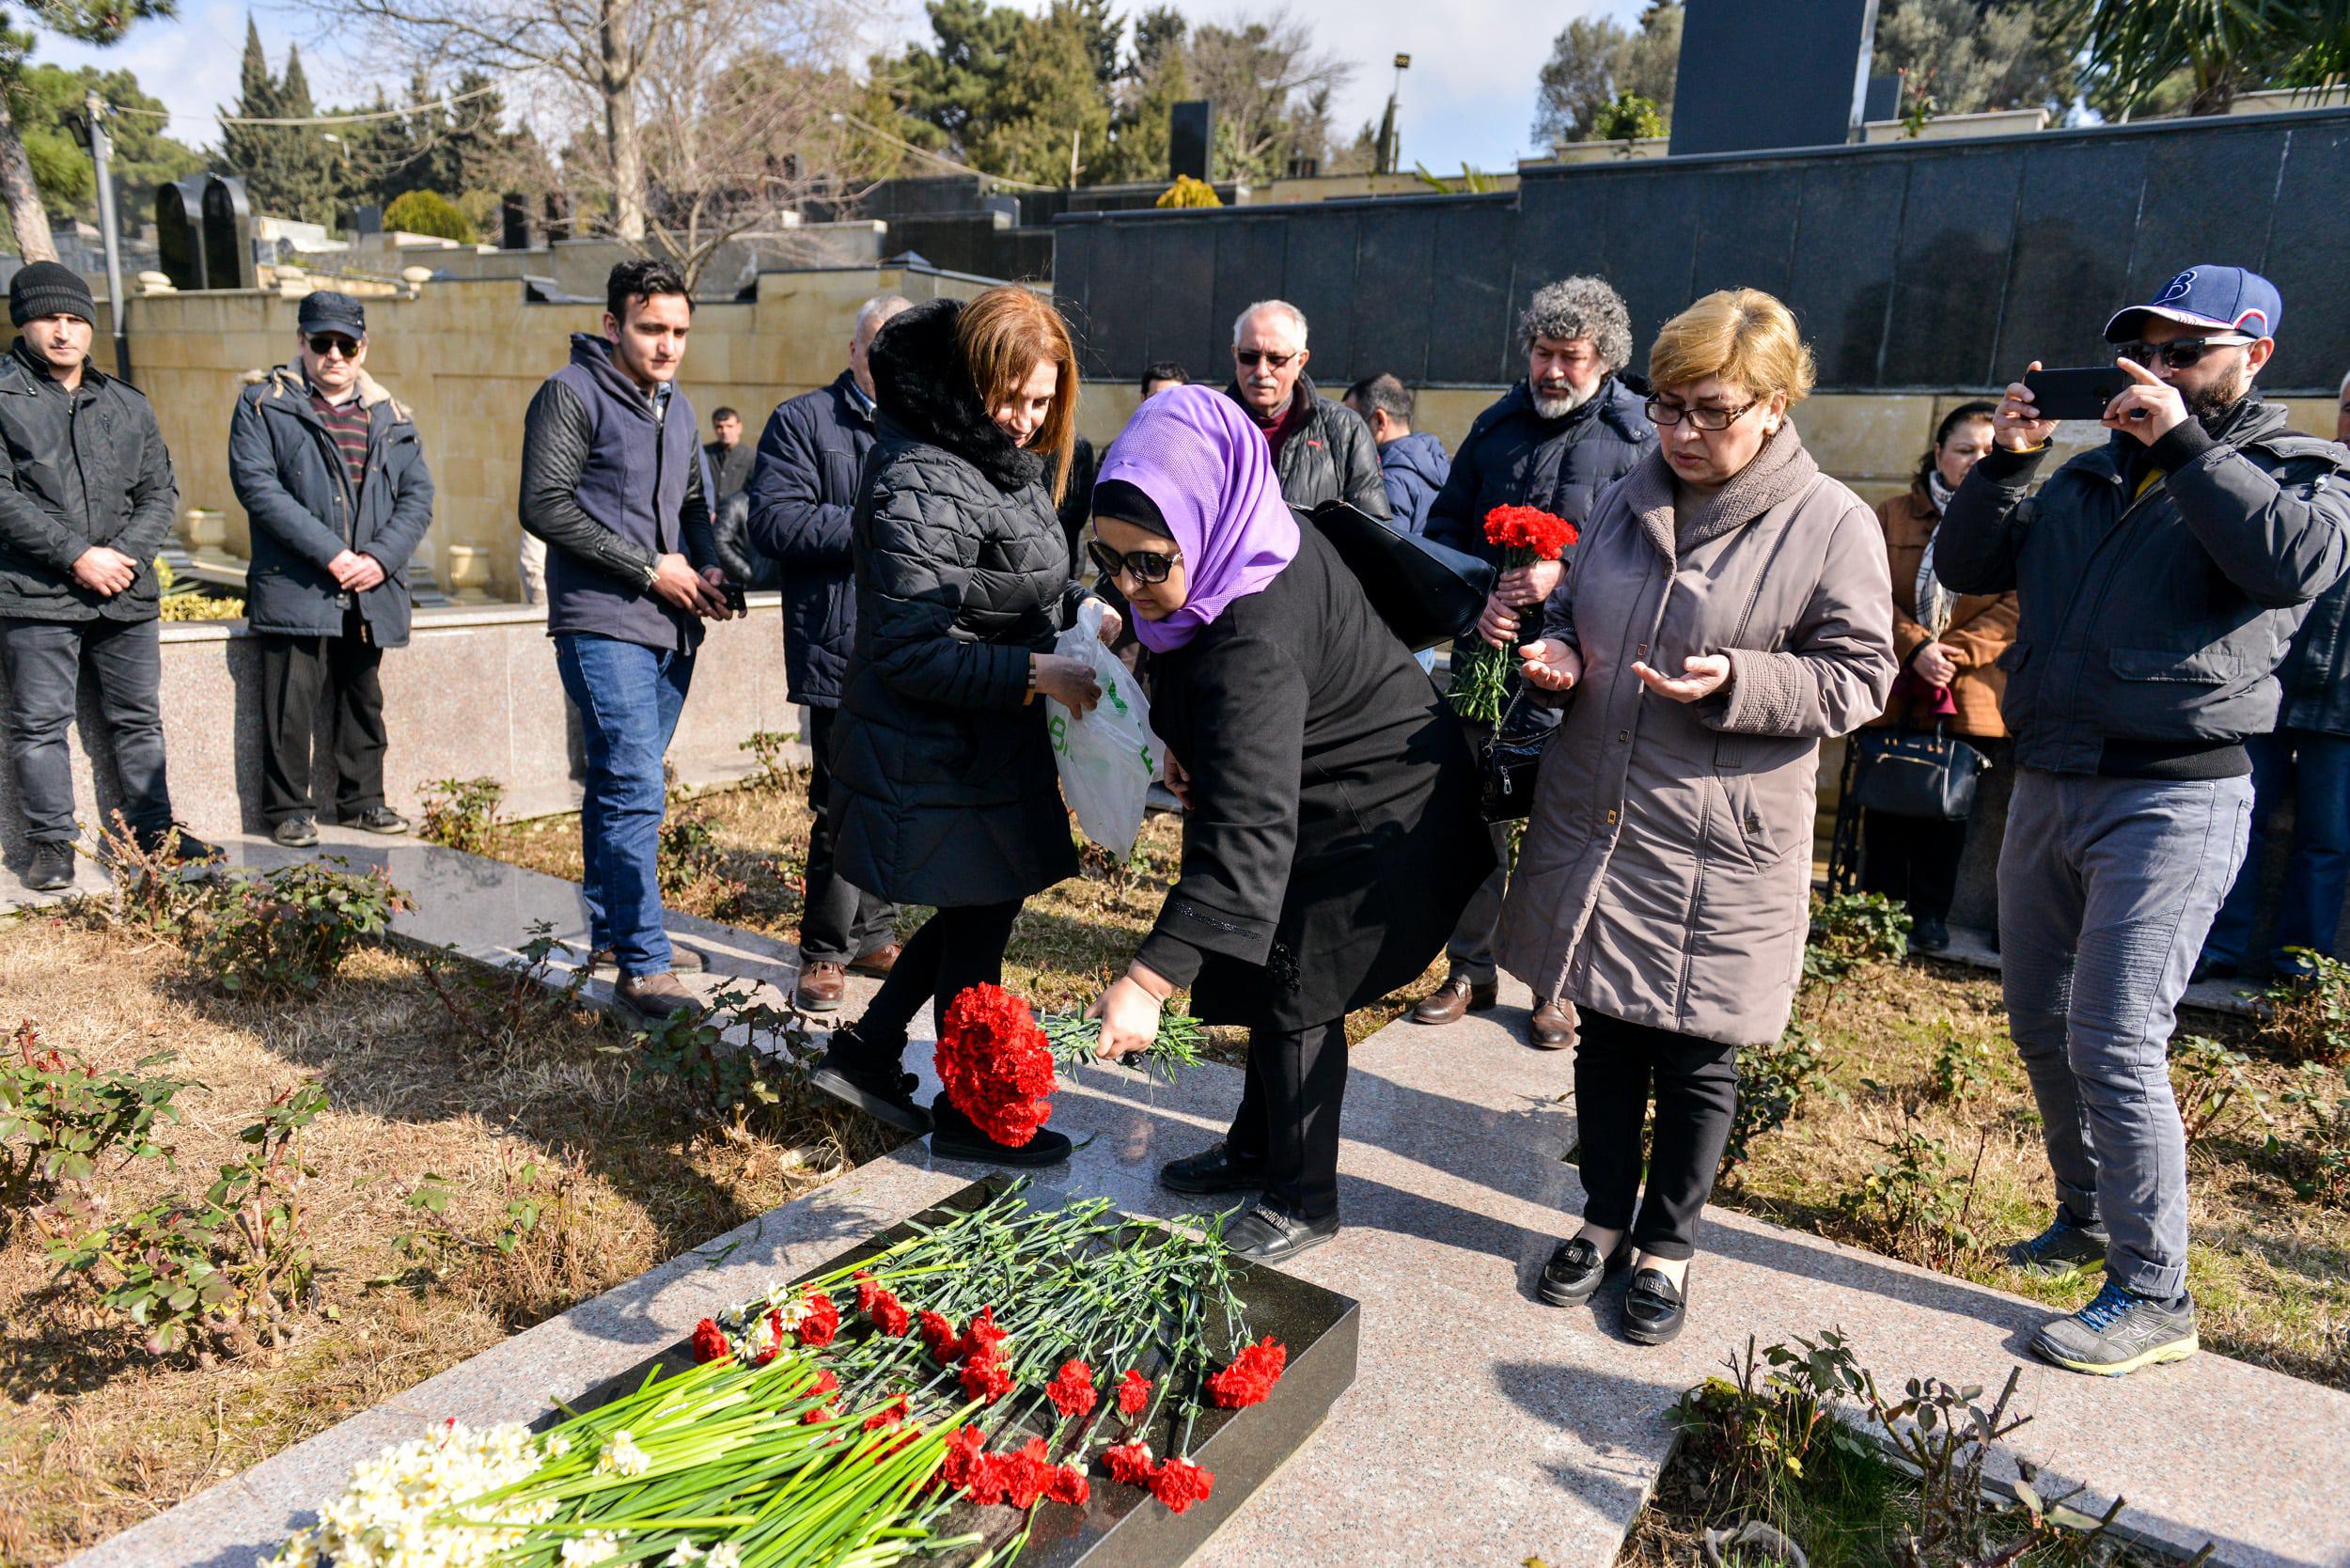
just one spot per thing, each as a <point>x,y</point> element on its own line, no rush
<point>945,790</point>
<point>1333,837</point>
<point>77,469</point>
<point>2153,615</point>
<point>1514,457</point>
<point>2316,674</point>
<point>731,537</point>
<point>290,479</point>
<point>1333,459</point>
<point>803,487</point>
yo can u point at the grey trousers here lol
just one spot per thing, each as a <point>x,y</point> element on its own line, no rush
<point>45,661</point>
<point>2106,889</point>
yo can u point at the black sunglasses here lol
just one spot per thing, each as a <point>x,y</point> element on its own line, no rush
<point>1250,356</point>
<point>333,342</point>
<point>2180,353</point>
<point>1143,566</point>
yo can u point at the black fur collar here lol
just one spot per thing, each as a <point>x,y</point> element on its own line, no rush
<point>923,389</point>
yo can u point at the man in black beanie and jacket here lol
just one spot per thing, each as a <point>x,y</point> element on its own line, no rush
<point>86,498</point>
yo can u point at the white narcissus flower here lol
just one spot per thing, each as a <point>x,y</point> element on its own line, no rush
<point>686,1556</point>
<point>622,1456</point>
<point>725,1555</point>
<point>390,1515</point>
<point>584,1551</point>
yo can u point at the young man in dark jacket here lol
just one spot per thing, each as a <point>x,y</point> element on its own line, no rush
<point>86,498</point>
<point>614,481</point>
<point>803,487</point>
<point>1570,429</point>
<point>1412,463</point>
<point>1321,450</point>
<point>330,472</point>
<point>2159,579</point>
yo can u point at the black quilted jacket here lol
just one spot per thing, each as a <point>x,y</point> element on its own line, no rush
<point>943,786</point>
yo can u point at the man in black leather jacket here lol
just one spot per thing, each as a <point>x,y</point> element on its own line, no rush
<point>615,481</point>
<point>1320,448</point>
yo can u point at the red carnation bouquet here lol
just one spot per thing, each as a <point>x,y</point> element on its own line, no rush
<point>1524,535</point>
<point>996,1065</point>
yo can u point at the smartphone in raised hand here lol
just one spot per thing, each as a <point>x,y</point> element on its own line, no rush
<point>2076,393</point>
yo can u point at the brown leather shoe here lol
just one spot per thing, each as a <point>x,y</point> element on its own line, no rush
<point>822,988</point>
<point>877,963</point>
<point>684,961</point>
<point>656,998</point>
<point>1553,1027</point>
<point>1455,997</point>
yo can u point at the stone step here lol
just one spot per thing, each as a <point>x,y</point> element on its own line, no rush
<point>1483,1425</point>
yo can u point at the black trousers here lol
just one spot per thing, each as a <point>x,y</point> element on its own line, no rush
<point>955,950</point>
<point>1914,859</point>
<point>837,922</point>
<point>45,661</point>
<point>1617,1066</point>
<point>1289,1116</point>
<point>299,674</point>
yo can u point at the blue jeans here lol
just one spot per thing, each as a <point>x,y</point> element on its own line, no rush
<point>2314,769</point>
<point>629,697</point>
<point>2106,889</point>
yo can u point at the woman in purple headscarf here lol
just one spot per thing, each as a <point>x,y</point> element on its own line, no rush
<point>1331,836</point>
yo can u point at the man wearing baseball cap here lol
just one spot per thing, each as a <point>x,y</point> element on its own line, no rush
<point>329,468</point>
<point>2160,577</point>
<point>86,498</point>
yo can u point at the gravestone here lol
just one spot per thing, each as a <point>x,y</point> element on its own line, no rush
<point>1755,78</point>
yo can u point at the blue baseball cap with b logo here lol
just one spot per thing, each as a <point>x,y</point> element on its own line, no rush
<point>2219,299</point>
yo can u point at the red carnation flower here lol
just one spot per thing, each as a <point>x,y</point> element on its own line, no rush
<point>996,1064</point>
<point>1025,1473</point>
<point>1180,1483</point>
<point>820,1322</point>
<point>1251,1375</point>
<point>710,1341</point>
<point>985,1376</point>
<point>1134,1392</point>
<point>815,1415</point>
<point>1071,1389</point>
<point>1539,535</point>
<point>825,1386</point>
<point>983,1334</point>
<point>963,1458</point>
<point>774,1336</point>
<point>1069,1486</point>
<point>1130,1464</point>
<point>889,1415</point>
<point>938,1334</point>
<point>988,1481</point>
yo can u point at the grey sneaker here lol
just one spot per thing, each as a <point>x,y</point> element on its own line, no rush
<point>2060,1252</point>
<point>2118,1333</point>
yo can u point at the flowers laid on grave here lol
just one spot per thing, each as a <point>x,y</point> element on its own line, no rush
<point>927,1398</point>
<point>996,1060</point>
<point>1524,535</point>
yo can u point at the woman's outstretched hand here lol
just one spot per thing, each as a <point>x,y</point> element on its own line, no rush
<point>1129,1011</point>
<point>1068,682</point>
<point>1707,674</point>
<point>1551,667</point>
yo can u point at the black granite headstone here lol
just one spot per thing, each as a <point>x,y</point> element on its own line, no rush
<point>1190,139</point>
<point>1759,77</point>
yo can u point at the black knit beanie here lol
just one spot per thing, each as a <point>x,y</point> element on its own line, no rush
<point>45,288</point>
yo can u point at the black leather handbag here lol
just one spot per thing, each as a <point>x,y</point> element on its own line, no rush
<point>1427,592</point>
<point>1510,757</point>
<point>1916,772</point>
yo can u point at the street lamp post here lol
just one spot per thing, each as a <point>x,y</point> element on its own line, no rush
<point>102,151</point>
<point>1390,133</point>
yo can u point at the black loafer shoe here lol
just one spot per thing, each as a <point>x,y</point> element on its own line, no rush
<point>1212,1170</point>
<point>881,1092</point>
<point>1574,1274</point>
<point>956,1137</point>
<point>1930,935</point>
<point>1267,1235</point>
<point>1653,1310</point>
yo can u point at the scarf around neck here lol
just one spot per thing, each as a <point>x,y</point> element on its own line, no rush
<point>1207,467</point>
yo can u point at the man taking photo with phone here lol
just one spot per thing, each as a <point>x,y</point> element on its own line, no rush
<point>2160,577</point>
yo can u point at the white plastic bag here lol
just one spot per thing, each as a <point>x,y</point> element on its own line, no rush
<point>1110,757</point>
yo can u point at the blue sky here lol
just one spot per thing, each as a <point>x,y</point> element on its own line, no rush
<point>1469,95</point>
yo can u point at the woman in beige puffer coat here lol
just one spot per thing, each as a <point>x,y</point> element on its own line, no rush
<point>1729,609</point>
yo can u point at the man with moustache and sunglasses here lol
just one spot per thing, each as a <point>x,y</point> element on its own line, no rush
<point>1321,450</point>
<point>330,471</point>
<point>2160,579</point>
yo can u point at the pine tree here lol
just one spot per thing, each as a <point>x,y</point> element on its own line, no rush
<point>290,171</point>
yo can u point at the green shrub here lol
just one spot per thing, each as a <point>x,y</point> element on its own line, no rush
<point>1917,1200</point>
<point>59,1116</point>
<point>1960,1067</point>
<point>462,814</point>
<point>2321,1159</point>
<point>1189,192</point>
<point>773,772</point>
<point>1773,1080</point>
<point>288,930</point>
<point>429,212</point>
<point>2307,1016</point>
<point>2213,1086</point>
<point>1629,116</point>
<point>1852,929</point>
<point>731,1060</point>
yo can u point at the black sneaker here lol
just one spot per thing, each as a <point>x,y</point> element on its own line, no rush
<point>378,819</point>
<point>1575,1270</point>
<point>2214,969</point>
<point>300,832</point>
<point>50,869</point>
<point>1930,935</point>
<point>2062,1250</point>
<point>956,1137</point>
<point>2118,1333</point>
<point>1212,1170</point>
<point>1267,1235</point>
<point>849,1074</point>
<point>176,844</point>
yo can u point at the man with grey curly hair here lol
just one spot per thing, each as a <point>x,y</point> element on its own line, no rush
<point>1570,429</point>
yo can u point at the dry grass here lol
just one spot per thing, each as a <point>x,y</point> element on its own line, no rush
<point>2270,1271</point>
<point>1071,940</point>
<point>96,1435</point>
